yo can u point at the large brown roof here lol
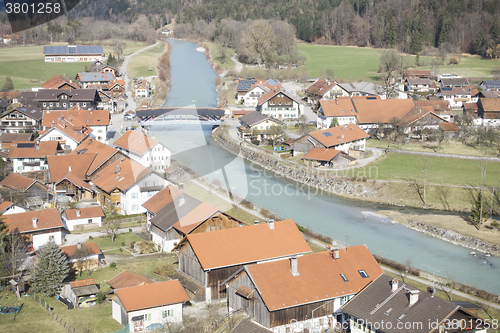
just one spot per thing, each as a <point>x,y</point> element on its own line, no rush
<point>60,165</point>
<point>338,135</point>
<point>321,154</point>
<point>92,146</point>
<point>15,137</point>
<point>17,182</point>
<point>319,277</point>
<point>135,142</point>
<point>82,283</point>
<point>23,222</point>
<point>449,126</point>
<point>67,128</point>
<point>248,244</point>
<point>40,149</point>
<point>85,213</point>
<point>76,116</point>
<point>419,112</point>
<point>340,107</point>
<point>4,205</point>
<point>152,295</point>
<point>161,199</point>
<point>372,111</point>
<point>121,174</point>
<point>437,105</point>
<point>54,82</point>
<point>90,248</point>
<point>490,104</point>
<point>320,87</point>
<point>128,279</point>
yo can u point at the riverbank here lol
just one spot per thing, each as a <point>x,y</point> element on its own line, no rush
<point>163,69</point>
<point>452,228</point>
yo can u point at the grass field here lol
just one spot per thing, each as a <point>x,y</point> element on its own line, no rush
<point>140,64</point>
<point>214,50</point>
<point>440,170</point>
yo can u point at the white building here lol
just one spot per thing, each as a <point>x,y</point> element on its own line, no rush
<point>39,226</point>
<point>88,217</point>
<point>280,104</point>
<point>457,96</point>
<point>73,53</point>
<point>32,156</point>
<point>66,135</point>
<point>149,306</point>
<point>144,150</point>
<point>7,207</point>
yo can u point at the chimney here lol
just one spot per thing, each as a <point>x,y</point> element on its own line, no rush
<point>336,254</point>
<point>294,266</point>
<point>79,246</point>
<point>270,223</point>
<point>394,284</point>
<point>256,222</point>
<point>35,222</point>
<point>337,101</point>
<point>117,169</point>
<point>78,213</point>
<point>69,168</point>
<point>181,199</point>
<point>90,140</point>
<point>413,296</point>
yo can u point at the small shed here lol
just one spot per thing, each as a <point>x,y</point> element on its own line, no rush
<point>81,293</point>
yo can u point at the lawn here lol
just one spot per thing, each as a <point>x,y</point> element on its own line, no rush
<point>214,50</point>
<point>140,64</point>
<point>105,242</point>
<point>394,166</point>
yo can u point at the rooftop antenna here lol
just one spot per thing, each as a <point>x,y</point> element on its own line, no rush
<point>346,243</point>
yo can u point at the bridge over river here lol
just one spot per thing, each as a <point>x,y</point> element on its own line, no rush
<point>180,115</point>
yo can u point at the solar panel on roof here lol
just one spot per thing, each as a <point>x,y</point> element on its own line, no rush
<point>72,49</point>
<point>26,145</point>
<point>446,88</point>
<point>327,134</point>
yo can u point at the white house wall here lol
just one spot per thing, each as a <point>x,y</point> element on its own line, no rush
<point>279,112</point>
<point>70,224</point>
<point>56,135</point>
<point>41,239</point>
<point>17,164</point>
<point>132,200</point>
<point>99,132</point>
<point>155,315</point>
<point>157,158</point>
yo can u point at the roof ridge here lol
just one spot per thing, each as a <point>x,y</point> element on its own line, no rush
<point>387,299</point>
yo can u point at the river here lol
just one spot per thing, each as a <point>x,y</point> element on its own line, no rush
<point>346,220</point>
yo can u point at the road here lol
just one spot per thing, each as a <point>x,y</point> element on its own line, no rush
<point>72,239</point>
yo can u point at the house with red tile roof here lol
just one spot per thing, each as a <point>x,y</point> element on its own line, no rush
<point>306,289</point>
<point>39,227</point>
<point>32,155</point>
<point>489,110</point>
<point>324,89</point>
<point>257,89</point>
<point>83,256</point>
<point>65,133</point>
<point>440,107</point>
<point>145,150</point>
<point>59,82</point>
<point>457,96</point>
<point>83,218</point>
<point>128,279</point>
<point>29,187</point>
<point>212,257</point>
<point>126,185</point>
<point>173,214</point>
<point>149,306</point>
<point>7,207</point>
<point>280,104</point>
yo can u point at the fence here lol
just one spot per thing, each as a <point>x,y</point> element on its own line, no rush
<point>54,316</point>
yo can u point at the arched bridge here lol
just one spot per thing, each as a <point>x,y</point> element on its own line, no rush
<point>187,115</point>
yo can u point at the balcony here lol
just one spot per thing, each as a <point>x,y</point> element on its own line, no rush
<point>32,164</point>
<point>150,188</point>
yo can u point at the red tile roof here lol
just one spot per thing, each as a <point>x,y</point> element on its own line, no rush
<point>67,128</point>
<point>339,107</point>
<point>198,215</point>
<point>152,295</point>
<point>82,283</point>
<point>61,165</point>
<point>320,87</point>
<point>85,213</point>
<point>338,135</point>
<point>17,182</point>
<point>92,146</point>
<point>76,117</point>
<point>419,112</point>
<point>319,277</point>
<point>449,126</point>
<point>23,222</point>
<point>135,142</point>
<point>4,205</point>
<point>54,82</point>
<point>121,174</point>
<point>437,105</point>
<point>490,104</point>
<point>161,199</point>
<point>372,111</point>
<point>273,92</point>
<point>321,154</point>
<point>248,244</point>
<point>128,279</point>
<point>40,149</point>
<point>90,248</point>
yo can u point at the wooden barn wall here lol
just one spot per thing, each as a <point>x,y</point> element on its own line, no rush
<point>173,234</point>
<point>216,276</point>
<point>299,313</point>
<point>216,222</point>
<point>190,265</point>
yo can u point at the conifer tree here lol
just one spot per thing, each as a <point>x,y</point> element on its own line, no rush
<point>50,271</point>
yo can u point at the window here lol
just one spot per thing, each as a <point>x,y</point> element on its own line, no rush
<point>51,238</point>
<point>363,274</point>
<point>389,311</point>
<point>343,277</point>
<point>134,207</point>
<point>134,195</point>
<point>89,221</point>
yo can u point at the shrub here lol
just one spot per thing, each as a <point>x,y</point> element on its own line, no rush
<point>90,237</point>
<point>124,244</point>
<point>100,297</point>
<point>454,60</point>
<point>129,229</point>
<point>112,265</point>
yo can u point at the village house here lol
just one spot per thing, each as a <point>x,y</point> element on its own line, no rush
<point>247,326</point>
<point>7,139</point>
<point>489,111</point>
<point>149,306</point>
<point>83,218</point>
<point>418,85</point>
<point>62,99</point>
<point>106,100</point>
<point>3,105</point>
<point>490,85</point>
<point>141,91</point>
<point>420,120</point>
<point>99,66</point>
<point>73,53</point>
<point>417,73</point>
<point>450,129</point>
<point>96,120</point>
<point>126,185</point>
<point>403,307</point>
<point>93,79</point>
<point>470,109</point>
<point>81,293</point>
<point>22,119</point>
<point>104,155</point>
<point>280,293</point>
<point>324,89</point>
<point>128,279</point>
<point>280,104</point>
<point>349,139</point>
<point>83,256</point>
<point>360,89</point>
<point>325,157</point>
<point>39,227</point>
<point>115,88</point>
<point>66,134</point>
<point>173,214</point>
<point>256,90</point>
<point>257,126</point>
<point>27,187</point>
<point>7,207</point>
<point>59,82</point>
<point>243,85</point>
<point>459,95</point>
<point>454,82</point>
<point>440,107</point>
<point>32,156</point>
<point>211,257</point>
<point>147,151</point>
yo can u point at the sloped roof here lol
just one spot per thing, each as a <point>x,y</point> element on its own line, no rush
<point>275,91</point>
<point>372,111</point>
<point>449,126</point>
<point>152,295</point>
<point>247,244</point>
<point>162,199</point>
<point>246,326</point>
<point>321,154</point>
<point>31,149</point>
<point>470,106</point>
<point>362,87</point>
<point>77,181</point>
<point>490,94</point>
<point>60,165</point>
<point>437,105</point>
<point>492,84</point>
<point>4,205</point>
<point>135,142</point>
<point>91,146</point>
<point>339,107</point>
<point>458,91</point>
<point>15,137</point>
<point>23,222</point>
<point>319,277</point>
<point>455,82</point>
<point>320,87</point>
<point>76,117</point>
<point>90,248</point>
<point>244,85</point>
<point>255,117</point>
<point>95,77</point>
<point>54,82</point>
<point>417,81</point>
<point>67,129</point>
<point>338,135</point>
<point>129,173</point>
<point>419,112</point>
<point>51,95</point>
<point>241,112</point>
<point>85,213</point>
<point>30,111</point>
<point>490,104</point>
<point>17,182</point>
<point>82,283</point>
<point>128,279</point>
<point>373,304</point>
